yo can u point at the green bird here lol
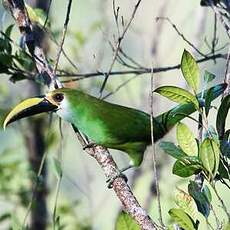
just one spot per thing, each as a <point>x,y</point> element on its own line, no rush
<point>106,124</point>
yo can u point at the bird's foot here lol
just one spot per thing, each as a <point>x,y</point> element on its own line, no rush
<point>112,179</point>
<point>126,168</point>
<point>119,174</point>
<point>89,145</point>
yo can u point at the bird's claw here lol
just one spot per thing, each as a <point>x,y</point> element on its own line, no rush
<point>112,179</point>
<point>89,145</point>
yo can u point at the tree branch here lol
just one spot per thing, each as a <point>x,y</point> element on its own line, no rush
<point>103,157</point>
<point>82,76</point>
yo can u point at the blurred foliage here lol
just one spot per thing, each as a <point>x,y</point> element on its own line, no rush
<point>209,156</point>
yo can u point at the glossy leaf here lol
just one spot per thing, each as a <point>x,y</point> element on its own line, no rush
<point>222,115</point>
<point>210,156</point>
<point>186,139</point>
<point>185,169</point>
<point>173,116</point>
<point>208,101</point>
<point>178,95</point>
<point>182,218</point>
<point>201,198</point>
<point>126,222</point>
<point>172,150</point>
<point>185,202</point>
<point>9,30</point>
<point>208,77</point>
<point>190,70</point>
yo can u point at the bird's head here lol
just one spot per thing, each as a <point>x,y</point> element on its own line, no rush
<point>54,101</point>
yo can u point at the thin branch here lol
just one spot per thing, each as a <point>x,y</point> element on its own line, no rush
<point>147,70</point>
<point>227,74</point>
<point>181,35</point>
<point>63,36</point>
<point>121,188</point>
<point>214,39</point>
<point>225,24</point>
<point>47,15</point>
<point>154,153</point>
<point>119,87</point>
<point>119,40</point>
<point>103,157</point>
<point>222,202</point>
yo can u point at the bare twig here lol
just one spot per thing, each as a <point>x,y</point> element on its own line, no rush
<point>81,76</point>
<point>222,202</point>
<point>226,24</point>
<point>63,36</point>
<point>214,39</point>
<point>181,35</point>
<point>227,74</point>
<point>119,87</point>
<point>118,43</point>
<point>103,157</point>
<point>154,153</point>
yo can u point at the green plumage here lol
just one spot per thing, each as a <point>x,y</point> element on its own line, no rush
<point>110,125</point>
<point>118,127</point>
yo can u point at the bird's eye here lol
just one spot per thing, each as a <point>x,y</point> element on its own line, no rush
<point>58,97</point>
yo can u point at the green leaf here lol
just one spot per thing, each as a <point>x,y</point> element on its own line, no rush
<point>9,30</point>
<point>185,169</point>
<point>210,156</point>
<point>182,218</point>
<point>178,95</point>
<point>208,101</point>
<point>5,59</point>
<point>223,170</point>
<point>207,193</point>
<point>172,150</point>
<point>186,140</point>
<point>185,202</point>
<point>5,216</point>
<point>126,222</point>
<point>17,77</point>
<point>190,70</point>
<point>171,117</point>
<point>201,198</point>
<point>222,115</point>
<point>208,77</point>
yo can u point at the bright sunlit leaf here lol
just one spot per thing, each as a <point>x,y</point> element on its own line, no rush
<point>182,218</point>
<point>186,139</point>
<point>126,222</point>
<point>178,95</point>
<point>190,70</point>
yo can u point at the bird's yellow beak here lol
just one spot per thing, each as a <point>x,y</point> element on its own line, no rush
<point>29,107</point>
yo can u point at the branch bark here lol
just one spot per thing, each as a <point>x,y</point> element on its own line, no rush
<point>103,157</point>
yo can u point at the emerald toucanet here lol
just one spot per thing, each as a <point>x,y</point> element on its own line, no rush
<point>110,125</point>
